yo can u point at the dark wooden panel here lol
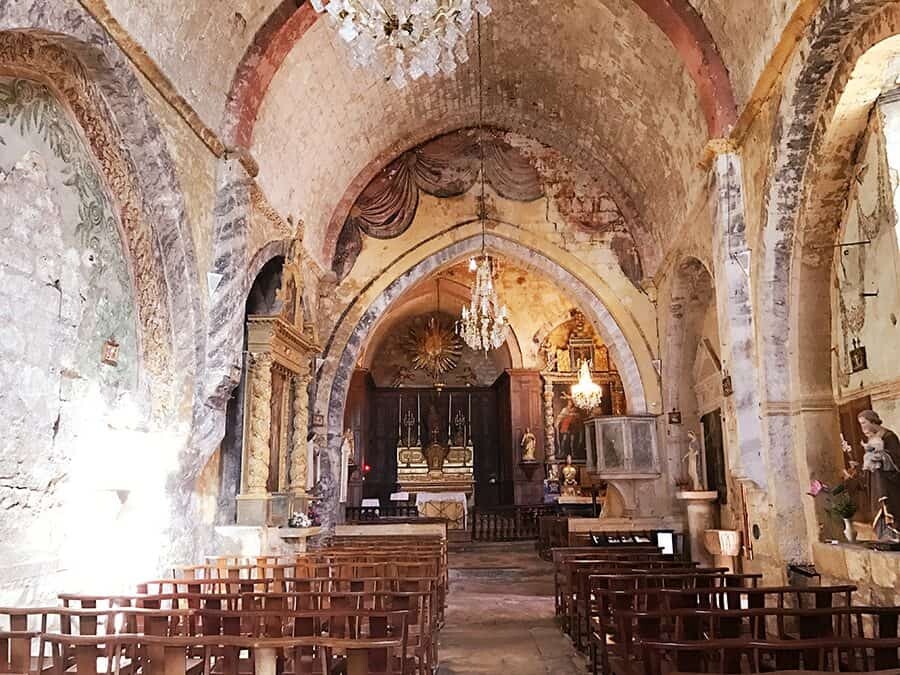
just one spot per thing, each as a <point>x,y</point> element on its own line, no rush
<point>385,427</point>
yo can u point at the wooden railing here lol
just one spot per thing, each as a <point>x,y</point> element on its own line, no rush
<point>361,514</point>
<point>510,523</point>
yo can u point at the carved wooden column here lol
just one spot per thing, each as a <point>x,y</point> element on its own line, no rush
<point>299,446</point>
<point>549,432</point>
<point>252,504</point>
<point>275,459</point>
<point>260,376</point>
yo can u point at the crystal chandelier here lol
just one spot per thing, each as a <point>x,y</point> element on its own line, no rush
<point>484,323</point>
<point>586,394</point>
<point>405,37</point>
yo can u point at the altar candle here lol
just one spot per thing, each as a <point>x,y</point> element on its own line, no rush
<point>450,419</point>
<point>470,419</point>
<point>400,419</point>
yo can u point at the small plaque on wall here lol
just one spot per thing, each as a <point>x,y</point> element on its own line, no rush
<point>675,417</point>
<point>859,360</point>
<point>727,386</point>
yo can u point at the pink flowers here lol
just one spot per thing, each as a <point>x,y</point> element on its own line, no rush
<point>816,487</point>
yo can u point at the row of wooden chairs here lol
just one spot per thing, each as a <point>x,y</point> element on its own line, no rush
<point>373,607</point>
<point>643,612</point>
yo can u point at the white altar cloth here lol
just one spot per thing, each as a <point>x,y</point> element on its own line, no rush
<point>425,497</point>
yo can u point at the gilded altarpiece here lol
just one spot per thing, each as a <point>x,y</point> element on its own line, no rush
<point>564,350</point>
<point>275,462</point>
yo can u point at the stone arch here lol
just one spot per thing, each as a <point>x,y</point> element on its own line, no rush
<point>692,293</point>
<point>106,102</point>
<point>343,348</point>
<point>606,170</point>
<point>288,23</point>
<point>829,92</point>
<point>421,304</point>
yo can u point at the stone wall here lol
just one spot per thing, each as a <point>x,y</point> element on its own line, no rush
<point>66,289</point>
<point>873,269</point>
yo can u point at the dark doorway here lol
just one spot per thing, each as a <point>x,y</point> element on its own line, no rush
<point>714,448</point>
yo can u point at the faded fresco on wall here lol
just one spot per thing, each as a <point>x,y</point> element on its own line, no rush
<point>66,291</point>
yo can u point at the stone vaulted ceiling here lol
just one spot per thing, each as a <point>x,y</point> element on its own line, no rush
<point>612,83</point>
<point>596,80</point>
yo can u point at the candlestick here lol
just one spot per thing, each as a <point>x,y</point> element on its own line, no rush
<point>450,419</point>
<point>400,418</point>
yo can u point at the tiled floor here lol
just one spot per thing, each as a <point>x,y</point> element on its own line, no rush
<point>500,615</point>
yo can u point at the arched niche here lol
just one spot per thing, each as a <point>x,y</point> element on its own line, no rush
<point>346,343</point>
<point>829,92</point>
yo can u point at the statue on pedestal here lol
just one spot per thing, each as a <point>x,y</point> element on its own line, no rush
<point>570,478</point>
<point>693,462</point>
<point>529,444</point>
<point>346,455</point>
<point>881,460</point>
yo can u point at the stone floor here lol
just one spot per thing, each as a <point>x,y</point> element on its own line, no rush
<point>500,615</point>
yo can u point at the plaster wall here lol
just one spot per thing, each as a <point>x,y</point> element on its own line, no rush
<point>195,168</point>
<point>197,45</point>
<point>542,222</point>
<point>75,427</point>
<point>872,268</point>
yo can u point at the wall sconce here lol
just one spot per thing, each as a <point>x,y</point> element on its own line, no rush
<point>110,353</point>
<point>675,416</point>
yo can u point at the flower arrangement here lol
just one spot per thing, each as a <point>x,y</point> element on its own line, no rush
<point>843,506</point>
<point>299,519</point>
<point>838,501</point>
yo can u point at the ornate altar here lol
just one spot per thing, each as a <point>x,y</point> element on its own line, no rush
<point>565,349</point>
<point>276,460</point>
<point>434,455</point>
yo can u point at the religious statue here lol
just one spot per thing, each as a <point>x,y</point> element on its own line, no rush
<point>549,355</point>
<point>529,444</point>
<point>346,456</point>
<point>693,462</point>
<point>881,460</point>
<point>553,472</point>
<point>570,478</point>
<point>884,522</point>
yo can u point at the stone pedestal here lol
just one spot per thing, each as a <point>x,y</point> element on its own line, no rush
<point>702,512</point>
<point>271,509</point>
<point>725,546</point>
<point>251,542</point>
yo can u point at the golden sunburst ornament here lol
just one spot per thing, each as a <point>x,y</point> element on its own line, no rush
<point>434,347</point>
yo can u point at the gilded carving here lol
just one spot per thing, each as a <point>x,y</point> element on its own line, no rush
<point>41,59</point>
<point>299,463</point>
<point>259,420</point>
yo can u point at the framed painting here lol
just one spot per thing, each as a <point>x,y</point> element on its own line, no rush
<point>568,424</point>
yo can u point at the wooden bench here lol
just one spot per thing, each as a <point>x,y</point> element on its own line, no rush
<point>758,656</point>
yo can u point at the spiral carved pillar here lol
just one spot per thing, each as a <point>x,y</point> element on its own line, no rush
<point>259,375</point>
<point>299,446</point>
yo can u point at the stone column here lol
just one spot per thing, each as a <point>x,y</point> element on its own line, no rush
<point>732,264</point>
<point>756,456</point>
<point>259,375</point>
<point>299,447</point>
